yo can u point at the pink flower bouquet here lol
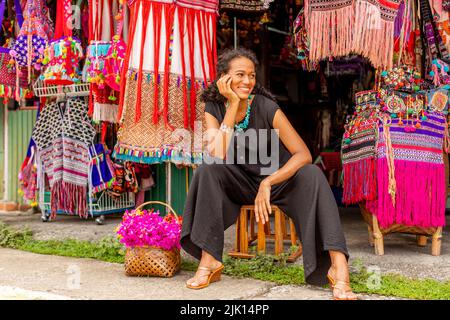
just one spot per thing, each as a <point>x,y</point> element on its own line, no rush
<point>145,228</point>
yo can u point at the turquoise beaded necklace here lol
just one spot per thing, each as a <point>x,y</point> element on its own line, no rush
<point>239,127</point>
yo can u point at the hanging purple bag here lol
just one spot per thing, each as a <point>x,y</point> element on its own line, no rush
<point>33,37</point>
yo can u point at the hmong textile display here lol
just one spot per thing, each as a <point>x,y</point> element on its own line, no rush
<point>28,173</point>
<point>339,27</point>
<point>35,33</point>
<point>374,30</point>
<point>124,179</point>
<point>63,54</point>
<point>417,195</point>
<point>170,57</point>
<point>61,59</point>
<point>440,73</point>
<point>330,26</point>
<point>245,5</point>
<point>63,135</point>
<point>359,150</point>
<point>102,172</point>
<point>434,46</point>
<point>442,24</point>
<point>301,41</point>
<point>13,78</point>
<point>103,44</point>
<point>398,137</point>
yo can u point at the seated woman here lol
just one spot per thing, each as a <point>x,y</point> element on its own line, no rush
<point>236,106</point>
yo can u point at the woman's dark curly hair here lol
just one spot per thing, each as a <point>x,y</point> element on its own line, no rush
<point>212,94</point>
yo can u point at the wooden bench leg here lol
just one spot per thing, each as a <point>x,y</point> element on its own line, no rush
<point>295,255</point>
<point>261,239</point>
<point>293,232</point>
<point>422,241</point>
<point>378,238</point>
<point>436,242</point>
<point>267,228</point>
<point>283,226</point>
<point>252,226</point>
<point>238,233</point>
<point>278,233</point>
<point>371,240</point>
<point>243,237</point>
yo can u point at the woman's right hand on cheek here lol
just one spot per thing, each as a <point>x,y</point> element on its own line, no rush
<point>224,86</point>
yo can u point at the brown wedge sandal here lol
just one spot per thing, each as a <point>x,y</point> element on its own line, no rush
<point>343,286</point>
<point>213,276</point>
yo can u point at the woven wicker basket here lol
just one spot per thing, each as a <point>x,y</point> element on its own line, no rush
<point>152,261</point>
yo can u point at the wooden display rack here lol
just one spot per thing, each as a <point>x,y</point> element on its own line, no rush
<point>376,234</point>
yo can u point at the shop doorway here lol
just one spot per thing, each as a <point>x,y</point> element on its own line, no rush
<point>316,101</point>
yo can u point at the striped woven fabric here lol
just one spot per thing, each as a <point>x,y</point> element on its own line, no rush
<point>423,145</point>
<point>363,146</point>
<point>388,9</point>
<point>359,150</point>
<point>411,177</point>
<point>359,163</point>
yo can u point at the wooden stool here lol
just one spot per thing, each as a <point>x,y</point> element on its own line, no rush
<point>245,237</point>
<point>376,234</point>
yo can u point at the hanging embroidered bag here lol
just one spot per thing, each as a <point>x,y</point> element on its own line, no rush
<point>7,70</point>
<point>102,171</point>
<point>98,48</point>
<point>61,60</point>
<point>33,37</point>
<point>116,55</point>
<point>63,54</point>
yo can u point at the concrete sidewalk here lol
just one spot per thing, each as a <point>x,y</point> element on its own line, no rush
<point>25,275</point>
<point>402,255</point>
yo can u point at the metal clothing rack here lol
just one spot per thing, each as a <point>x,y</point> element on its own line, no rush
<point>40,89</point>
<point>100,205</point>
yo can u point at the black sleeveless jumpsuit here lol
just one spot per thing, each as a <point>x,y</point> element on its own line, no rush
<point>217,192</point>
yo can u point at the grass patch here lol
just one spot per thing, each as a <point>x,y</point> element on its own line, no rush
<point>266,268</point>
<point>108,249</point>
